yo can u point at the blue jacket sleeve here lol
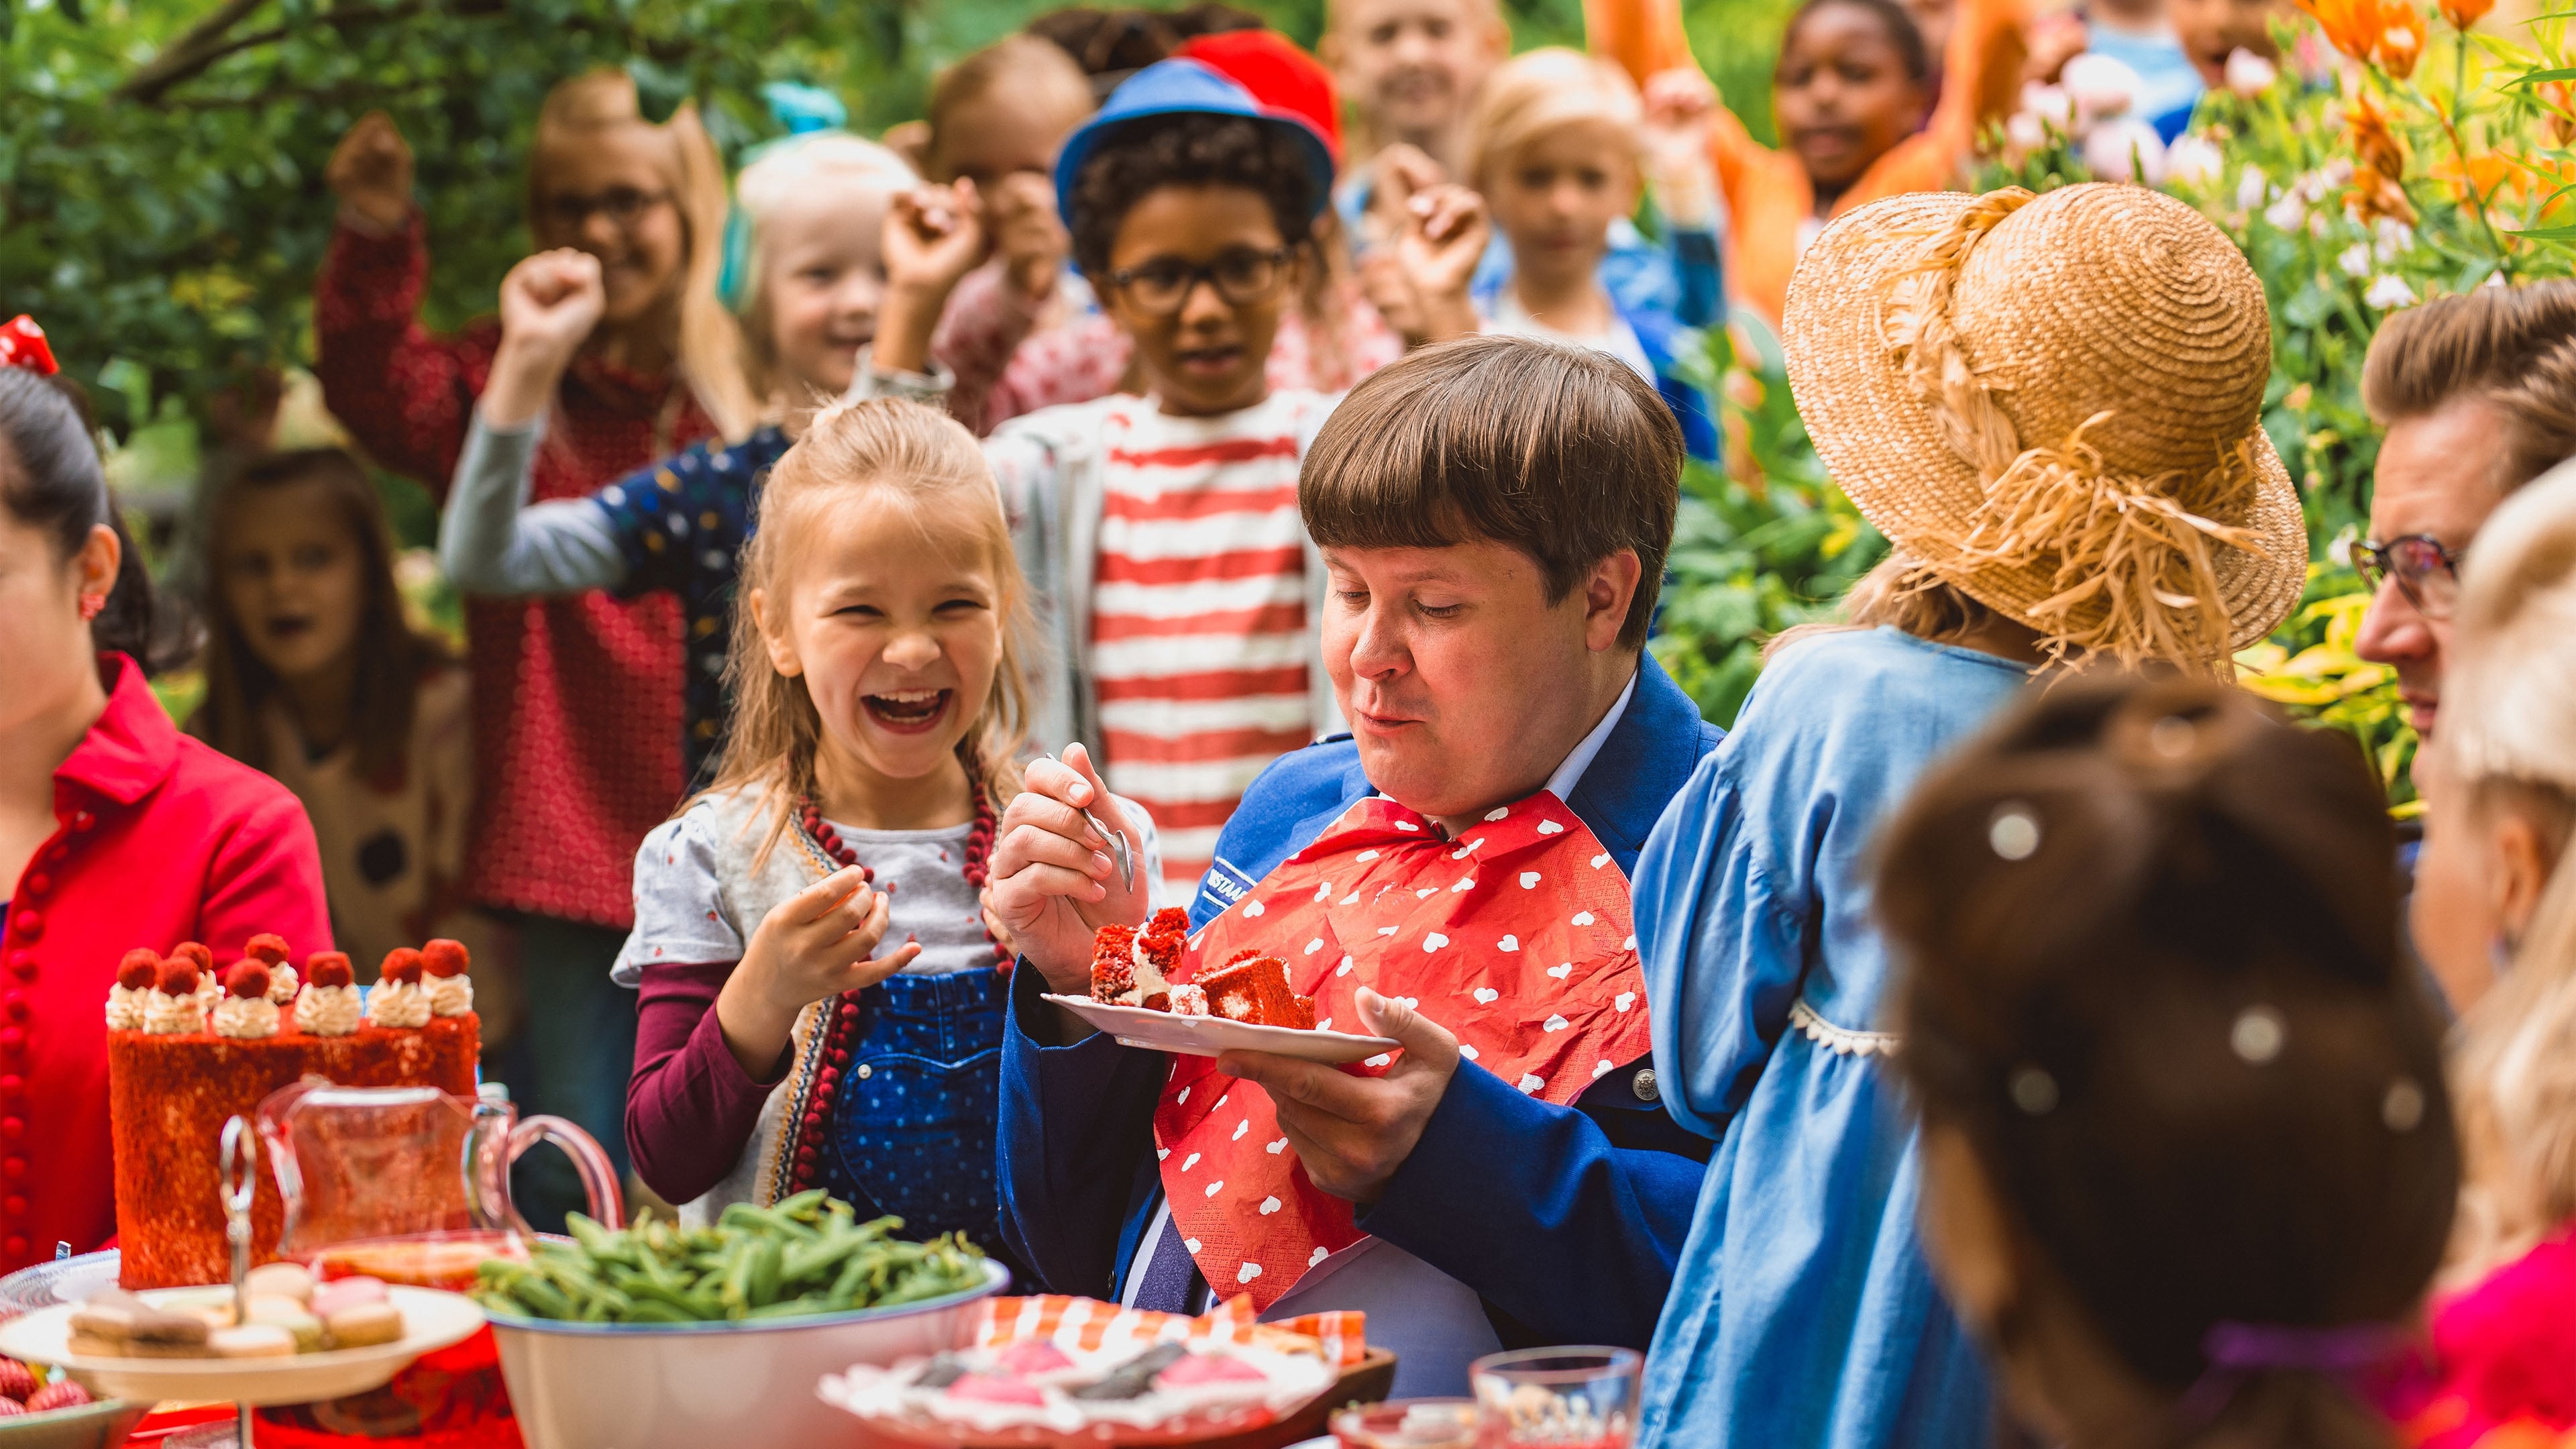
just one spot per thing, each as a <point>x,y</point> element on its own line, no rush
<point>1536,1208</point>
<point>1076,1137</point>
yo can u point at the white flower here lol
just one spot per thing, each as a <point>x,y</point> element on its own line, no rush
<point>2195,161</point>
<point>2333,176</point>
<point>2252,187</point>
<point>2050,104</point>
<point>2395,238</point>
<point>2248,74</point>
<point>2388,293</point>
<point>2355,260</point>
<point>2125,149</point>
<point>2024,133</point>
<point>2290,212</point>
<point>2099,85</point>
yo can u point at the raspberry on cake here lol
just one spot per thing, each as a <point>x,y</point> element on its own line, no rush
<point>246,1013</point>
<point>1252,988</point>
<point>451,991</point>
<point>269,949</point>
<point>135,976</point>
<point>174,1007</point>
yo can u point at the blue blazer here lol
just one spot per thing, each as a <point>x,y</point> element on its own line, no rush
<point>1567,1220</point>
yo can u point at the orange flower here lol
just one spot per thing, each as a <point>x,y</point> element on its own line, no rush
<point>2562,111</point>
<point>2375,148</point>
<point>2353,26</point>
<point>2401,40</point>
<point>2465,13</point>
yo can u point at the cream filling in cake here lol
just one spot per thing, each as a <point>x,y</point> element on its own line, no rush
<point>125,1006</point>
<point>247,1018</point>
<point>450,995</point>
<point>167,1015</point>
<point>398,1003</point>
<point>328,1010</point>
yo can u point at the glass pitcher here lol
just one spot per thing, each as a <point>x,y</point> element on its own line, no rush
<point>409,1184</point>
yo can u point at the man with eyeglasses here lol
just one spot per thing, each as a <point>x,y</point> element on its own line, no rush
<point>2477,394</point>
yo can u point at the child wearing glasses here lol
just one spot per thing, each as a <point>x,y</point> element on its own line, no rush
<point>576,700</point>
<point>1163,527</point>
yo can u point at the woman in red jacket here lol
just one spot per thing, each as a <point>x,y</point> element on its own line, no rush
<point>116,831</point>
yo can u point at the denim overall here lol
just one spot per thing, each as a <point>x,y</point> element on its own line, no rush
<point>913,1125</point>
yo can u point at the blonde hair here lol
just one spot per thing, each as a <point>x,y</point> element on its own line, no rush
<point>710,345</point>
<point>923,457</point>
<point>1540,90</point>
<point>794,167</point>
<point>2509,736</point>
<point>1898,591</point>
<point>1028,63</point>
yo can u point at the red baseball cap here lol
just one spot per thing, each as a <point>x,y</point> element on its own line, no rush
<point>1280,75</point>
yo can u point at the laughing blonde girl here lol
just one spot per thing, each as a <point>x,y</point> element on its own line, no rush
<point>822,995</point>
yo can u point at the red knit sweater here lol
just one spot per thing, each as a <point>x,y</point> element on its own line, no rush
<point>576,700</point>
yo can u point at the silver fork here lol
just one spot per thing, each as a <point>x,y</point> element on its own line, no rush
<point>1118,847</point>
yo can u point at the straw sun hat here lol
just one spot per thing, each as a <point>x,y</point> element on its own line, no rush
<point>2054,404</point>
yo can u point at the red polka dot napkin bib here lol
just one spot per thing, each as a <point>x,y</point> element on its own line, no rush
<point>1515,935</point>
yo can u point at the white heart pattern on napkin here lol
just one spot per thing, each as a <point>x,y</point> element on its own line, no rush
<point>1486,995</point>
<point>1551,827</point>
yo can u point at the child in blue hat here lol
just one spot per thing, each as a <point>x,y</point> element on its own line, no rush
<point>1163,523</point>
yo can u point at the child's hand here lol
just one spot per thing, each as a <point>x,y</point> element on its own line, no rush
<point>812,946</point>
<point>934,235</point>
<point>1444,237</point>
<point>1053,882</point>
<point>1396,173</point>
<point>1383,283</point>
<point>549,304</point>
<point>370,171</point>
<point>1680,104</point>
<point>1020,214</point>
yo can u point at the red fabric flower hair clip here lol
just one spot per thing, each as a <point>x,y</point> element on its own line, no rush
<point>22,344</point>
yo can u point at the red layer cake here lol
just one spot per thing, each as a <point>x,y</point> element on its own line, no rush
<point>171,1091</point>
<point>1253,988</point>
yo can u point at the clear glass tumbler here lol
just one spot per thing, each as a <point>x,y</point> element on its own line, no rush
<point>1557,1398</point>
<point>1407,1424</point>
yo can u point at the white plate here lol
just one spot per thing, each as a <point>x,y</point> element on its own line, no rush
<point>431,1320</point>
<point>1206,1036</point>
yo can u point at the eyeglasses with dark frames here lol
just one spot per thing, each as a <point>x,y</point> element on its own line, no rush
<point>2426,573</point>
<point>1241,277</point>
<point>624,206</point>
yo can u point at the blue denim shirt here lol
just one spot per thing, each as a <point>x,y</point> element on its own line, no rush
<point>1802,1311</point>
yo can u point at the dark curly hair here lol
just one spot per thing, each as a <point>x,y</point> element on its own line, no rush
<point>1186,149</point>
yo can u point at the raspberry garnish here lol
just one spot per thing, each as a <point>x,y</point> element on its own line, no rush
<point>178,977</point>
<point>328,968</point>
<point>267,946</point>
<point>443,957</point>
<point>140,968</point>
<point>248,978</point>
<point>194,951</point>
<point>402,963</point>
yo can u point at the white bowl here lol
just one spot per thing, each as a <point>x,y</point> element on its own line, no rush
<point>690,1385</point>
<point>431,1320</point>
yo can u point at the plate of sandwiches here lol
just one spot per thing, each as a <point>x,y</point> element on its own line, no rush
<point>1245,1004</point>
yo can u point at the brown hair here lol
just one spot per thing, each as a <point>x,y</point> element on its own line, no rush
<point>1025,62</point>
<point>709,344</point>
<point>1560,452</point>
<point>923,457</point>
<point>391,656</point>
<point>2511,347</point>
<point>2150,975</point>
<point>51,480</point>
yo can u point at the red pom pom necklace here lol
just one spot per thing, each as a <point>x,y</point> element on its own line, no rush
<point>805,1162</point>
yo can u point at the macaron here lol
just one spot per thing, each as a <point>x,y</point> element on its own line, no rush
<point>343,1293</point>
<point>363,1324</point>
<point>290,1315</point>
<point>252,1340</point>
<point>280,1280</point>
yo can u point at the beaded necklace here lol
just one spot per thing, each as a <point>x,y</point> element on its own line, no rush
<point>804,1161</point>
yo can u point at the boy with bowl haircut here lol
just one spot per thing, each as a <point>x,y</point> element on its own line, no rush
<point>1161,530</point>
<point>1411,69</point>
<point>1493,514</point>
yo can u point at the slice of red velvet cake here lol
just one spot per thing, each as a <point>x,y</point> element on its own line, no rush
<point>1253,988</point>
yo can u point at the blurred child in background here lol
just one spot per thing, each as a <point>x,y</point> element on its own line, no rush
<point>2187,1162</point>
<point>315,677</point>
<point>1411,70</point>
<point>808,278</point>
<point>879,716</point>
<point>1854,99</point>
<point>1333,336</point>
<point>1163,528</point>
<point>576,700</point>
<point>2494,914</point>
<point>1555,149</point>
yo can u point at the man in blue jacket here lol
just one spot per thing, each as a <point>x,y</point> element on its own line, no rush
<point>1494,514</point>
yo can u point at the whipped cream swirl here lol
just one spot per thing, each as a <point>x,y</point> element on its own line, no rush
<point>210,989</point>
<point>398,1003</point>
<point>281,983</point>
<point>450,995</point>
<point>167,1015</point>
<point>246,1018</point>
<point>125,1007</point>
<point>327,1010</point>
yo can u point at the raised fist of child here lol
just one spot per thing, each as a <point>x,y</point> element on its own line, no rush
<point>551,301</point>
<point>1444,237</point>
<point>370,171</point>
<point>934,235</point>
<point>811,946</point>
<point>1020,213</point>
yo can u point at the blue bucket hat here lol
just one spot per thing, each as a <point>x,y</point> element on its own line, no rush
<point>1185,87</point>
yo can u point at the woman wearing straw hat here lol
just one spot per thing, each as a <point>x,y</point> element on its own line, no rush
<point>2050,405</point>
